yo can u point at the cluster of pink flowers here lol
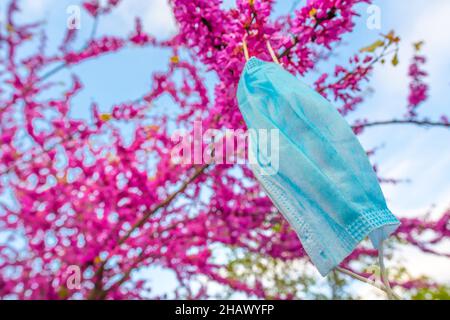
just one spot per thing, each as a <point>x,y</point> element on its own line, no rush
<point>140,37</point>
<point>418,89</point>
<point>346,85</point>
<point>95,8</point>
<point>85,197</point>
<point>94,49</point>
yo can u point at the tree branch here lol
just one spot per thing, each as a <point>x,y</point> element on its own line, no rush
<point>163,204</point>
<point>140,258</point>
<point>63,65</point>
<point>423,123</point>
<point>99,273</point>
<point>331,14</point>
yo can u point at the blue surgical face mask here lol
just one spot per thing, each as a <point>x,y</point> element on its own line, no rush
<point>324,184</point>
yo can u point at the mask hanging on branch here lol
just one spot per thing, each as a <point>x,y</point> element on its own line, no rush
<point>323,182</point>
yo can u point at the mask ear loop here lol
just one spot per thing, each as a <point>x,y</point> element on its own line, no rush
<point>269,47</point>
<point>244,46</point>
<point>383,274</point>
<point>272,53</point>
<point>386,287</point>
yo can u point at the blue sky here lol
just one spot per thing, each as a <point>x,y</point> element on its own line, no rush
<point>418,154</point>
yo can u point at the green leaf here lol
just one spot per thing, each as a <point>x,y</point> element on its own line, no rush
<point>276,227</point>
<point>439,293</point>
<point>374,46</point>
<point>63,293</point>
<point>395,60</point>
<point>418,45</point>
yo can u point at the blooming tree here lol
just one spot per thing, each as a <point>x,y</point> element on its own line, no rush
<point>91,210</point>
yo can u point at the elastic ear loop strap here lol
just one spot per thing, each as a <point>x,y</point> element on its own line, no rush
<point>269,47</point>
<point>244,46</point>
<point>272,53</point>
<point>383,273</point>
<point>386,287</point>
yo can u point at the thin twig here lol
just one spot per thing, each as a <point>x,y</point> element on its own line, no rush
<point>198,172</point>
<point>63,65</point>
<point>163,204</point>
<point>140,258</point>
<point>331,14</point>
<point>424,123</point>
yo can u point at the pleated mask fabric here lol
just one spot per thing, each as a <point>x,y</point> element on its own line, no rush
<point>323,182</point>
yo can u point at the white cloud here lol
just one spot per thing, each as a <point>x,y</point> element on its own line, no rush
<point>432,26</point>
<point>157,17</point>
<point>35,8</point>
<point>428,21</point>
<point>419,263</point>
<point>422,159</point>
